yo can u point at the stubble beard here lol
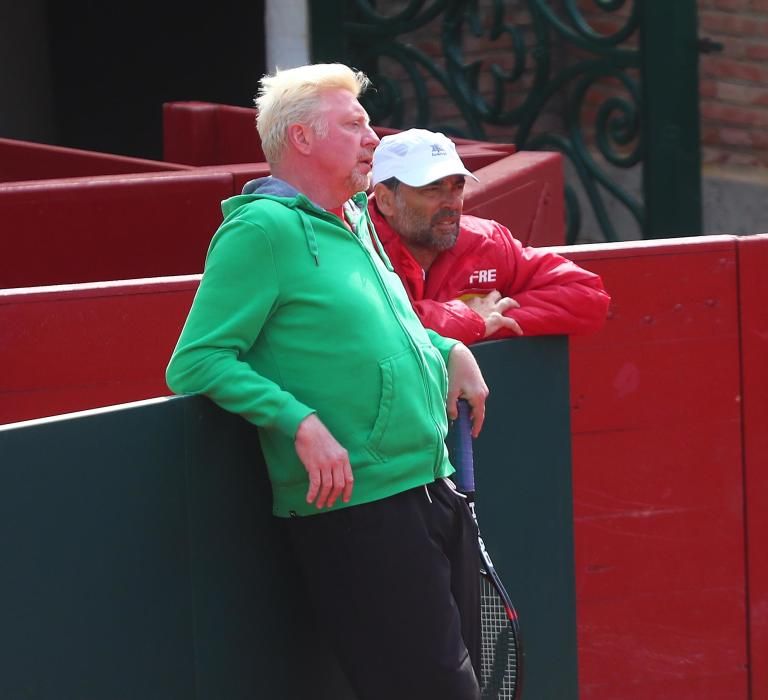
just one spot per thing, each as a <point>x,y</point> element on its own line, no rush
<point>421,232</point>
<point>359,182</point>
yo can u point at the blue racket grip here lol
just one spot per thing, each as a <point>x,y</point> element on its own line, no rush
<point>463,459</point>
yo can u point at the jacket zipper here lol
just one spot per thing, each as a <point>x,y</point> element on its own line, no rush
<point>412,343</point>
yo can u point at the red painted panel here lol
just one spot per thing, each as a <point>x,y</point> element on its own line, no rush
<point>658,529</point>
<point>645,383</point>
<point>678,651</point>
<point>240,172</point>
<point>27,160</point>
<point>659,508</point>
<point>109,228</point>
<point>193,133</point>
<point>476,156</point>
<point>670,346</point>
<point>207,133</point>
<point>715,686</point>
<point>657,476</point>
<point>753,264</point>
<point>524,193</point>
<point>74,348</point>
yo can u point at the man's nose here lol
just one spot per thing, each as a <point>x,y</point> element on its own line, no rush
<point>370,139</point>
<point>452,198</point>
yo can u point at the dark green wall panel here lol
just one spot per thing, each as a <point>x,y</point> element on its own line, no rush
<point>524,502</point>
<point>141,560</point>
<point>95,599</point>
<point>253,631</point>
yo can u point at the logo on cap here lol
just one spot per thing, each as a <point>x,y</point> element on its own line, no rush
<point>438,150</point>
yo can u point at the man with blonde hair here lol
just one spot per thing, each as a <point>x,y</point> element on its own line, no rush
<point>301,326</point>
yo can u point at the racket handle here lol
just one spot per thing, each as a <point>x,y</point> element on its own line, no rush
<point>462,457</point>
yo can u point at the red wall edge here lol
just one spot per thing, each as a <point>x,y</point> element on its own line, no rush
<point>28,160</point>
<point>753,292</point>
<point>108,228</point>
<point>67,349</point>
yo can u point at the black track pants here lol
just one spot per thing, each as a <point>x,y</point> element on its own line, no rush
<point>395,585</point>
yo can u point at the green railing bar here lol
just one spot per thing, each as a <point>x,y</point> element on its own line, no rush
<point>670,112</point>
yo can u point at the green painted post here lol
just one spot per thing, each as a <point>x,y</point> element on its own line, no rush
<point>670,84</point>
<point>328,35</point>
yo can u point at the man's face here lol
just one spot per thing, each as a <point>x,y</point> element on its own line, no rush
<point>346,149</point>
<point>428,216</point>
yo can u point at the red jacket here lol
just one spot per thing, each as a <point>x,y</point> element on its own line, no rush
<point>556,296</point>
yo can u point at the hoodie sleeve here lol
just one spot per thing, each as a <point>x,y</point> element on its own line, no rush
<point>236,294</point>
<point>443,345</point>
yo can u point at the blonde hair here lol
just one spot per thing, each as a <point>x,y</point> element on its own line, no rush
<point>292,96</point>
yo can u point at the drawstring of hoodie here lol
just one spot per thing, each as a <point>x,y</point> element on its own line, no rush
<point>375,238</point>
<point>309,234</point>
<point>449,484</point>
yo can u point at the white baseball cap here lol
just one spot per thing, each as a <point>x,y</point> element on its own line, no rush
<point>416,157</point>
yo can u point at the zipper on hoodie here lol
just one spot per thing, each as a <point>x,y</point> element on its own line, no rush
<point>414,347</point>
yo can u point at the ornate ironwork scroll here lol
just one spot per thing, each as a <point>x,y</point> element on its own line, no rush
<point>559,75</point>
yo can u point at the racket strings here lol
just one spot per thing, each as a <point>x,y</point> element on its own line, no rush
<point>498,662</point>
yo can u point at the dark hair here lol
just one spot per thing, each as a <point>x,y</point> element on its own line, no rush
<point>391,183</point>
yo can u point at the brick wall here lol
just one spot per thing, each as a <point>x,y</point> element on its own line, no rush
<point>734,83</point>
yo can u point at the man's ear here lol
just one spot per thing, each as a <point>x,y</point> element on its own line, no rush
<point>301,136</point>
<point>385,199</point>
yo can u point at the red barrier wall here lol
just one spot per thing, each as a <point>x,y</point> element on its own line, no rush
<point>90,229</point>
<point>240,172</point>
<point>66,349</point>
<point>753,294</point>
<point>668,427</point>
<point>207,133</point>
<point>658,476</point>
<point>108,228</point>
<point>27,160</point>
<point>524,192</point>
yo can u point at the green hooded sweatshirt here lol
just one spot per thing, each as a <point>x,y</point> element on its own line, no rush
<point>296,314</point>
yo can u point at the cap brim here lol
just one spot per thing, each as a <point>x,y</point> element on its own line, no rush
<point>437,172</point>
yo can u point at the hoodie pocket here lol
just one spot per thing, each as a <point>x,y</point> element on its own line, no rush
<point>386,397</point>
<point>405,420</point>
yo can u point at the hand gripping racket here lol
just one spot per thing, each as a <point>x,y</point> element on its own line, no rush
<point>501,668</point>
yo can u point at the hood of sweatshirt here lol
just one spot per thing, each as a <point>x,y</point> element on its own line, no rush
<point>272,188</point>
<point>276,189</point>
<point>269,185</point>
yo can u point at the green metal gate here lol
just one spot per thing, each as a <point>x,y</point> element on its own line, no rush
<point>611,84</point>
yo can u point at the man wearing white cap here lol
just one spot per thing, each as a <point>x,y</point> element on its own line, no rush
<point>469,278</point>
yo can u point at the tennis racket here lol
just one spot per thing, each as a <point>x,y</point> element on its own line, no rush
<point>501,664</point>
